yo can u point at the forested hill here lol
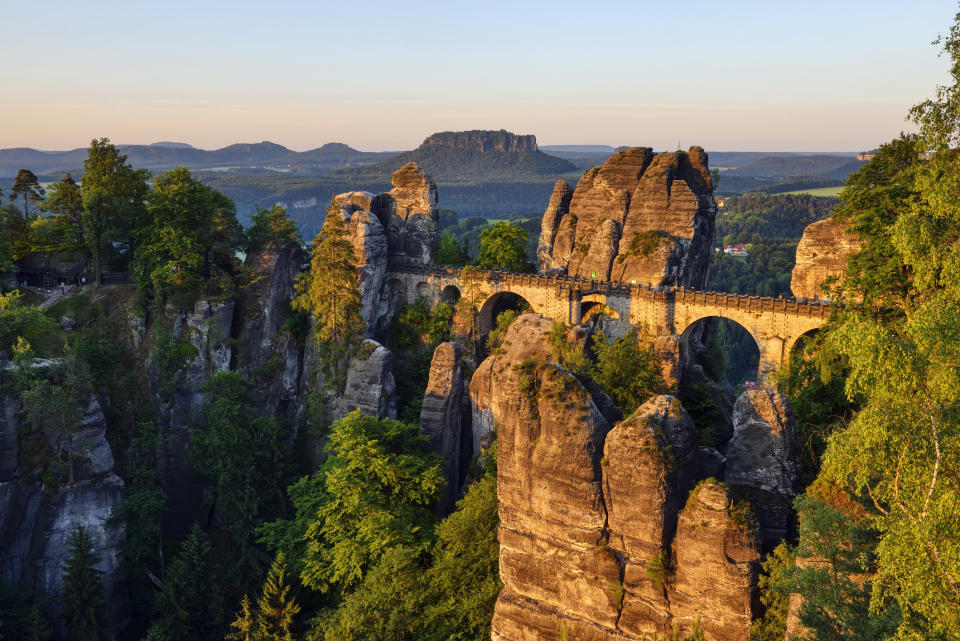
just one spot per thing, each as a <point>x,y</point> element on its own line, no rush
<point>470,157</point>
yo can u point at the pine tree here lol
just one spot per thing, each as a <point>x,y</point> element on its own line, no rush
<point>85,611</point>
<point>244,624</point>
<point>65,199</point>
<point>270,227</point>
<point>276,607</point>
<point>27,186</point>
<point>187,604</point>
<point>329,292</point>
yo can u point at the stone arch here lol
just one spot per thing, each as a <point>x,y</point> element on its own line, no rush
<point>594,304</point>
<point>450,294</point>
<point>398,293</point>
<point>496,304</point>
<point>422,290</point>
<point>747,360</point>
<point>796,343</point>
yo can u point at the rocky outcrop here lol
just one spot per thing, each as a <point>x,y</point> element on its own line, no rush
<point>716,551</point>
<point>593,541</point>
<point>36,519</point>
<point>369,239</point>
<point>822,252</point>
<point>409,214</point>
<point>638,218</point>
<point>763,459</point>
<point>370,385</point>
<point>442,413</point>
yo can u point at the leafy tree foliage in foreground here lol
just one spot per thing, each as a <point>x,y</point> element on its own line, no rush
<point>629,373</point>
<point>504,246</point>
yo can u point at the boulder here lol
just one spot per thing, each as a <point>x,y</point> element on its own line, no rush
<point>822,252</point>
<point>763,458</point>
<point>440,417</point>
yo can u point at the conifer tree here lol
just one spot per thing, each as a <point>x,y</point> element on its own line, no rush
<point>276,607</point>
<point>329,292</point>
<point>244,624</point>
<point>27,186</point>
<point>188,604</point>
<point>85,612</point>
<point>270,227</point>
<point>65,199</point>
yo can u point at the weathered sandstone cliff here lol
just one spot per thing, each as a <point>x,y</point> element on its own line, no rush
<point>822,252</point>
<point>637,218</point>
<point>409,214</point>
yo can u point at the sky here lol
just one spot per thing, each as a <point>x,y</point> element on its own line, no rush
<point>751,76</point>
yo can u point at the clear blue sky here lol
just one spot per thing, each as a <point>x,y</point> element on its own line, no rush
<point>383,75</point>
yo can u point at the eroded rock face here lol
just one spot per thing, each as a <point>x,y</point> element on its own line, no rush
<point>763,458</point>
<point>716,551</point>
<point>370,386</point>
<point>593,541</point>
<point>410,215</point>
<point>822,252</point>
<point>440,417</point>
<point>639,217</point>
<point>370,244</point>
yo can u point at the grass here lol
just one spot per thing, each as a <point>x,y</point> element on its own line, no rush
<point>818,191</point>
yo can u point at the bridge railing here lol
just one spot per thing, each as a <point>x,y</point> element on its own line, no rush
<point>743,302</point>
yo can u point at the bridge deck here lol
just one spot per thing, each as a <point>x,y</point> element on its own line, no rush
<point>742,302</point>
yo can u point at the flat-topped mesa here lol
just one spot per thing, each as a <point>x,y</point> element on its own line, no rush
<point>482,141</point>
<point>821,253</point>
<point>639,217</point>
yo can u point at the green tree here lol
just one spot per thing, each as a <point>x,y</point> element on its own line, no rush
<point>629,373</point>
<point>188,605</point>
<point>270,228</point>
<point>114,202</point>
<point>276,608</point>
<point>449,251</point>
<point>504,246</point>
<point>26,186</point>
<point>84,609</point>
<point>66,200</point>
<point>245,624</point>
<point>243,456</point>
<point>379,488</point>
<point>329,293</point>
<point>20,320</point>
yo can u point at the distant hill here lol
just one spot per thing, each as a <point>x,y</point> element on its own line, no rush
<point>470,157</point>
<point>161,156</point>
<point>782,166</point>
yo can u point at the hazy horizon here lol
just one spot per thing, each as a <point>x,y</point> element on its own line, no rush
<point>744,76</point>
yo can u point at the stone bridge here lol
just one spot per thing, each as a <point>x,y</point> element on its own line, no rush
<point>776,324</point>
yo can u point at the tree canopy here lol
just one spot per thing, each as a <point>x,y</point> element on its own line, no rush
<point>504,246</point>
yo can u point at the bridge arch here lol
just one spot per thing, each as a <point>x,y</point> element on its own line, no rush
<point>422,290</point>
<point>743,352</point>
<point>450,295</point>
<point>594,304</point>
<point>496,304</point>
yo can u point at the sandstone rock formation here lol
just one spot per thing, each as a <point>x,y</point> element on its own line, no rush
<point>441,414</point>
<point>638,218</point>
<point>370,386</point>
<point>822,252</point>
<point>482,141</point>
<point>763,458</point>
<point>409,213</point>
<point>593,542</point>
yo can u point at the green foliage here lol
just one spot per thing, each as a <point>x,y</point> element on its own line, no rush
<point>504,321</point>
<point>379,488</point>
<point>329,292</point>
<point>276,608</point>
<point>243,455</point>
<point>23,616</point>
<point>27,187</point>
<point>114,197</point>
<point>777,568</point>
<point>449,251</point>
<point>703,411</point>
<point>64,231</point>
<point>19,320</point>
<point>571,355</point>
<point>271,228</point>
<point>414,335</point>
<point>189,605</point>
<point>629,373</point>
<point>84,609</point>
<point>657,569</point>
<point>765,271</point>
<point>645,243</point>
<point>504,246</point>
